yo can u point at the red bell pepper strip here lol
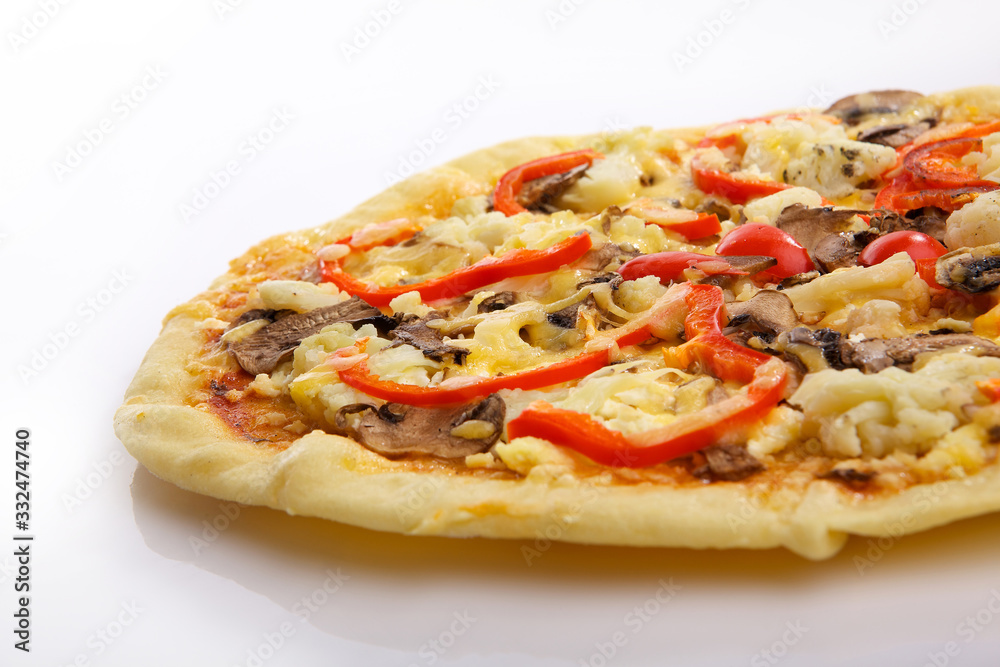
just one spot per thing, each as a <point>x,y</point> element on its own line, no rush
<point>521,262</point>
<point>389,232</point>
<point>669,266</point>
<point>509,185</point>
<point>939,163</point>
<point>736,190</point>
<point>657,321</point>
<point>699,228</point>
<point>688,433</point>
<point>468,389</point>
<point>930,174</point>
<point>990,388</point>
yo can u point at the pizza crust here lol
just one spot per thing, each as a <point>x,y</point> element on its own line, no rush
<point>332,477</point>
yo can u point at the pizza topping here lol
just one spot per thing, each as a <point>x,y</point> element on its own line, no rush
<point>929,220</point>
<point>976,224</point>
<point>851,414</point>
<point>895,135</point>
<point>262,351</point>
<point>760,239</point>
<point>499,301</point>
<point>874,354</point>
<point>976,270</point>
<point>540,194</point>
<point>838,251</point>
<point>297,295</point>
<point>510,185</point>
<point>520,262</point>
<point>395,429</point>
<point>730,463</point>
<point>428,340</point>
<point>673,266</point>
<point>853,108</point>
<point>809,226</point>
<point>769,311</point>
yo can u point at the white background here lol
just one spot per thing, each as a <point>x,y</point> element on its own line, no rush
<point>100,247</point>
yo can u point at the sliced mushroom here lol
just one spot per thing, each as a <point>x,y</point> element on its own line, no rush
<point>258,314</point>
<point>749,264</point>
<point>769,312</point>
<point>815,349</point>
<point>809,226</point>
<point>612,278</point>
<point>539,194</point>
<point>260,352</point>
<point>730,463</point>
<point>567,317</point>
<point>396,430</point>
<point>841,250</point>
<point>596,259</point>
<point>929,220</point>
<point>799,279</point>
<point>499,301</point>
<point>971,270</point>
<point>854,108</point>
<point>721,211</point>
<point>897,134</point>
<point>874,354</point>
<point>427,340</point>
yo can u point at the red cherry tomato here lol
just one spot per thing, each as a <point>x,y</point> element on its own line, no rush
<point>922,249</point>
<point>915,244</point>
<point>755,238</point>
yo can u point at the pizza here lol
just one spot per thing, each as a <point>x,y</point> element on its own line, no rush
<point>772,331</point>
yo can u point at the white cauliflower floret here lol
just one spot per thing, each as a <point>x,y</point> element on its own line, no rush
<point>613,180</point>
<point>767,209</point>
<point>853,414</point>
<point>816,154</point>
<point>988,161</point>
<point>877,318</point>
<point>975,224</point>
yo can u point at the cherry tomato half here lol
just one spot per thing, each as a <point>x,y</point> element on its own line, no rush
<point>755,238</point>
<point>922,249</point>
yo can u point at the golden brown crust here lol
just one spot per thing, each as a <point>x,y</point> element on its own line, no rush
<point>332,477</point>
